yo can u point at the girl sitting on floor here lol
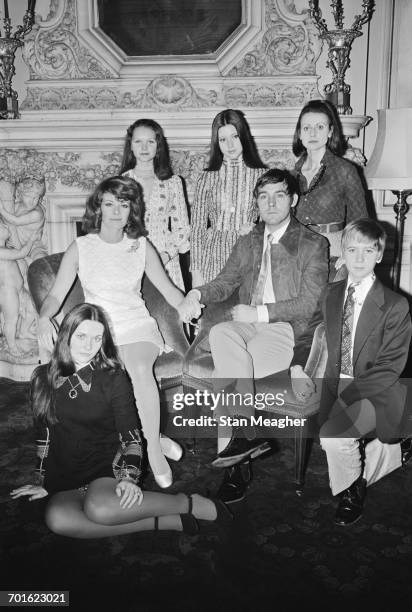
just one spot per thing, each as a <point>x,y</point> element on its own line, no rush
<point>83,405</point>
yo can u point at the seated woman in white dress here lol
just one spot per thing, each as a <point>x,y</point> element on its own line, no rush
<point>84,413</point>
<point>110,261</point>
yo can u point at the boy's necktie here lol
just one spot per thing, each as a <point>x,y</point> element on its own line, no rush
<point>346,366</point>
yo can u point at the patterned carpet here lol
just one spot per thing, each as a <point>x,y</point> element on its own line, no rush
<point>282,552</point>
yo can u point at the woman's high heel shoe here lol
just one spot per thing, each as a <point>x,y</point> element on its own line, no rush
<point>170,448</point>
<point>164,480</point>
<point>224,515</point>
<point>189,522</point>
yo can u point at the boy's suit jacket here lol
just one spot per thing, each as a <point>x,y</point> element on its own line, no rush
<point>380,352</point>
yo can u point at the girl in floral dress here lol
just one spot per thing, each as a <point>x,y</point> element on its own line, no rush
<point>146,160</point>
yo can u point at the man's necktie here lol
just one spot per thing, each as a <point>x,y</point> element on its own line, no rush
<point>346,366</point>
<point>257,298</point>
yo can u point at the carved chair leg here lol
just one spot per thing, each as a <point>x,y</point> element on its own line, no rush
<point>303,447</point>
<point>191,412</point>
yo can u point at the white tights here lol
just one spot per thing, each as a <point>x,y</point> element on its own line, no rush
<point>139,359</point>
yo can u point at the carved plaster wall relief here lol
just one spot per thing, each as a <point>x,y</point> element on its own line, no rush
<point>171,93</point>
<point>290,44</point>
<point>71,170</point>
<point>53,51</point>
<point>167,92</point>
<point>269,93</point>
<point>65,169</point>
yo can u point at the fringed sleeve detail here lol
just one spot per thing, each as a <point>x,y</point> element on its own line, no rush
<point>127,464</point>
<point>42,451</point>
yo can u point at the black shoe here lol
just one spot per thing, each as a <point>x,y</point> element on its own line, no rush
<point>240,449</point>
<point>406,450</point>
<point>189,522</point>
<point>234,485</point>
<point>350,506</point>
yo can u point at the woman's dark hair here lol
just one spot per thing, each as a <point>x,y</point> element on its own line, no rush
<point>125,189</point>
<point>44,381</point>
<point>237,119</point>
<point>336,142</point>
<point>161,161</point>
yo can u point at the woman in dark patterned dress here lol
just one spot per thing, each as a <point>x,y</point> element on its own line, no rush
<point>331,192</point>
<point>89,447</point>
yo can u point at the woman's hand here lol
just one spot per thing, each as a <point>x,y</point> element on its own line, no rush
<point>129,494</point>
<point>246,228</point>
<point>190,307</point>
<point>46,334</point>
<point>34,492</point>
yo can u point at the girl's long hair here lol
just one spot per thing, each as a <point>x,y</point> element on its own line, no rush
<point>44,381</point>
<point>123,188</point>
<point>250,153</point>
<point>161,162</point>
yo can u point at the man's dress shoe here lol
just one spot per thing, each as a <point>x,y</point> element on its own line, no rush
<point>235,482</point>
<point>238,450</point>
<point>350,505</point>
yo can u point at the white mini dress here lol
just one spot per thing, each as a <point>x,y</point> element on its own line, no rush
<point>111,276</point>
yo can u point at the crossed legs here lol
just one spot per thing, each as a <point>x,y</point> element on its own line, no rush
<point>96,513</point>
<point>244,351</point>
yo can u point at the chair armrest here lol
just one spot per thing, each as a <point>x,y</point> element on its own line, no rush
<point>280,382</point>
<point>318,356</point>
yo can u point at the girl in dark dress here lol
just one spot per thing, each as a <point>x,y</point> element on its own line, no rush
<point>83,406</point>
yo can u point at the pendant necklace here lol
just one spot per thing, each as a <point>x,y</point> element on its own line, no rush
<point>85,387</point>
<point>73,392</point>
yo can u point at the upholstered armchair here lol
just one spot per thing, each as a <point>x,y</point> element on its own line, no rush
<point>198,371</point>
<point>168,367</point>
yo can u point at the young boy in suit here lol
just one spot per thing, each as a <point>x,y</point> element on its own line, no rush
<point>368,332</point>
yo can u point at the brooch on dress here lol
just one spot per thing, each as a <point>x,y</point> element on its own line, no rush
<point>134,246</point>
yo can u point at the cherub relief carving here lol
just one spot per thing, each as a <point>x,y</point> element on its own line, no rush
<point>12,300</point>
<point>22,219</point>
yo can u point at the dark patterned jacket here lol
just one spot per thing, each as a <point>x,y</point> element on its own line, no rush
<point>299,273</point>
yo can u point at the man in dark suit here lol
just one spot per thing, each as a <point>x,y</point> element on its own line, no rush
<point>368,332</point>
<point>280,269</point>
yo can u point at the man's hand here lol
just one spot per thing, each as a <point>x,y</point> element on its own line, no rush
<point>129,494</point>
<point>302,386</point>
<point>244,313</point>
